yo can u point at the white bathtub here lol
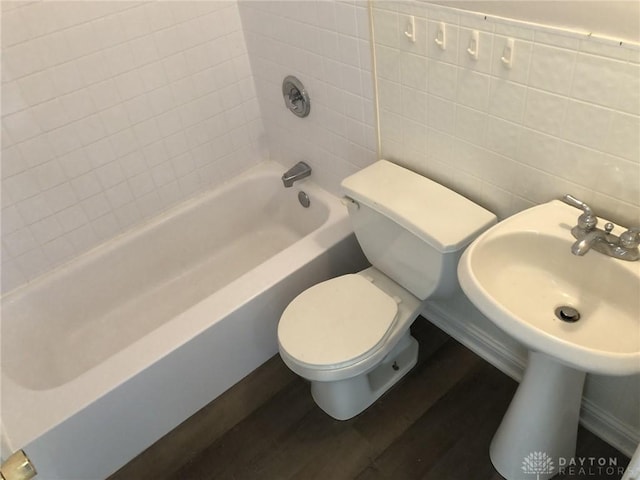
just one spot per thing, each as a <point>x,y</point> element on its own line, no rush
<point>104,356</point>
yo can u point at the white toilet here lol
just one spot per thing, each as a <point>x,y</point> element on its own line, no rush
<point>350,335</point>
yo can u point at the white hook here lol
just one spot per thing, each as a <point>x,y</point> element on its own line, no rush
<point>507,54</point>
<point>410,32</point>
<point>441,36</point>
<point>473,47</point>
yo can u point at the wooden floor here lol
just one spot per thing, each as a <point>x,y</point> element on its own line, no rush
<point>436,424</point>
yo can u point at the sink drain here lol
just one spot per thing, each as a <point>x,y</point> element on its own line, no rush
<point>567,314</point>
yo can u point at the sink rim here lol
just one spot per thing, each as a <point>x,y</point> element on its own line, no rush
<point>552,219</point>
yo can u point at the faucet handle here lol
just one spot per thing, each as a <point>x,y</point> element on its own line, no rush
<point>587,221</point>
<point>630,238</point>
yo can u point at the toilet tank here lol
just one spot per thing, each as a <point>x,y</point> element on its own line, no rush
<point>412,228</point>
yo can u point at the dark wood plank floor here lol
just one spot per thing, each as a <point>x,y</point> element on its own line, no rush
<point>436,424</point>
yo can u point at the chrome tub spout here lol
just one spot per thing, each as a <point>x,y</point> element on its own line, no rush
<point>299,171</point>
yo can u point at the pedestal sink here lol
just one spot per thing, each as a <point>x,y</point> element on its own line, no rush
<point>576,315</point>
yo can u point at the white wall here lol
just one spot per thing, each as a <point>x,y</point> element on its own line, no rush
<point>619,20</point>
<point>564,119</point>
<point>326,45</point>
<point>111,112</point>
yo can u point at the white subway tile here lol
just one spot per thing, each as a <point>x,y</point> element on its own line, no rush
<point>503,137</point>
<point>66,78</point>
<point>155,153</point>
<point>100,153</point>
<point>115,119</point>
<point>34,208</point>
<point>545,111</point>
<point>18,242</point>
<point>473,89</point>
<point>21,186</point>
<point>153,76</point>
<point>90,129</point>
<point>46,230</point>
<point>60,197</point>
<point>587,124</point>
<point>14,27</point>
<point>442,79</point>
<point>37,88</point>
<point>106,226</point>
<point>82,40</point>
<point>58,250</point>
<point>13,99</point>
<point>413,71</point>
<point>138,109</point>
<point>86,185</point>
<point>123,142</point>
<point>75,163</point>
<point>54,49</point>
<point>129,85</point>
<point>134,22</point>
<point>49,174</point>
<point>506,99</point>
<point>119,195</point>
<point>21,125</point>
<point>159,15</point>
<point>11,220</point>
<point>50,115</point>
<point>624,137</point>
<point>103,94</point>
<point>23,59</point>
<point>552,68</point>
<point>107,31</point>
<point>36,151</point>
<point>12,162</point>
<point>629,90</point>
<point>471,125</point>
<point>386,27</point>
<point>143,187</point>
<point>63,140</point>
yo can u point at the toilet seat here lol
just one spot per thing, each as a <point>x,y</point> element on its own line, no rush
<point>337,323</point>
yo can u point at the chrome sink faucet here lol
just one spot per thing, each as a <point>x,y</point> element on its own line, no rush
<point>588,236</point>
<point>299,171</point>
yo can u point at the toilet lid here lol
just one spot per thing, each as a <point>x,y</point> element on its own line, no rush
<point>337,322</point>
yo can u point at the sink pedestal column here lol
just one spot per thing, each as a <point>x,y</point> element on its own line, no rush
<point>541,423</point>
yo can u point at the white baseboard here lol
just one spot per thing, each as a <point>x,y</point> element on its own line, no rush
<point>512,363</point>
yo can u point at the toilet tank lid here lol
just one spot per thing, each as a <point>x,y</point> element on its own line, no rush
<point>444,219</point>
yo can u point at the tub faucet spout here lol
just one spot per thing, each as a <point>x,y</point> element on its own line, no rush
<point>299,171</point>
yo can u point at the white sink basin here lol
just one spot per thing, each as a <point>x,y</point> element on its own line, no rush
<point>518,273</point>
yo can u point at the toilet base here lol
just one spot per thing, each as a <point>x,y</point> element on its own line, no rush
<point>344,399</point>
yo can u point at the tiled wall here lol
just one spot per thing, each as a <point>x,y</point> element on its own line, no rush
<point>563,119</point>
<point>326,44</point>
<point>111,112</point>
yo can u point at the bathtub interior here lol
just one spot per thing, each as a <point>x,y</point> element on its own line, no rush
<point>71,320</point>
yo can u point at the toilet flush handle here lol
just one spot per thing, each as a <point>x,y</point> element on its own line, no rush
<point>346,201</point>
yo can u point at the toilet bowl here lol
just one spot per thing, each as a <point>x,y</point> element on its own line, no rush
<point>349,336</point>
